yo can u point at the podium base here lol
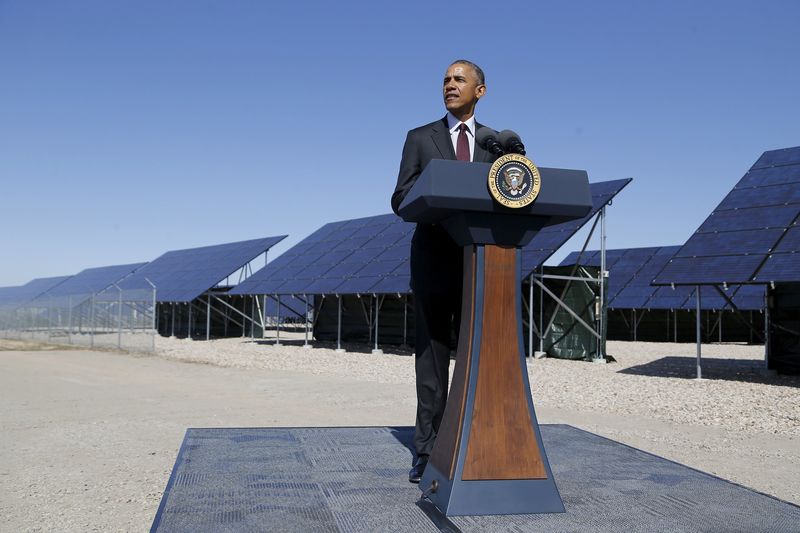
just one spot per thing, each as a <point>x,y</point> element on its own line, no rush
<point>491,497</point>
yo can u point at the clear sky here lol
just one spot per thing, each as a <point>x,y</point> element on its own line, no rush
<point>129,128</point>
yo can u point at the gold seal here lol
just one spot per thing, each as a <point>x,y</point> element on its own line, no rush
<point>514,181</point>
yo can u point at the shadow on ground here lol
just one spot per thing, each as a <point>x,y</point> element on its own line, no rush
<point>352,347</point>
<point>746,370</point>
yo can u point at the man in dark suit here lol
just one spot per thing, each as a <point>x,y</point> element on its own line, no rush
<point>436,261</point>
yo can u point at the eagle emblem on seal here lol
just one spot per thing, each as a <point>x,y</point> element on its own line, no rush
<point>513,178</point>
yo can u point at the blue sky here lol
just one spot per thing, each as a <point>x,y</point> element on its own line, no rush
<point>131,128</point>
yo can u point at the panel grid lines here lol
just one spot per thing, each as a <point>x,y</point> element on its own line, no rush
<point>371,255</point>
<point>745,239</point>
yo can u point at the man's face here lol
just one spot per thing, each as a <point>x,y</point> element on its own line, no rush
<point>462,89</point>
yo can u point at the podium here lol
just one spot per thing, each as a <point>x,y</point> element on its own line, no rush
<point>488,457</point>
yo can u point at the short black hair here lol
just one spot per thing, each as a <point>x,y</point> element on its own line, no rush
<point>478,70</point>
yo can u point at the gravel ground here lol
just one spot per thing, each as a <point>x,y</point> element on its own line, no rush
<point>647,379</point>
<point>88,438</point>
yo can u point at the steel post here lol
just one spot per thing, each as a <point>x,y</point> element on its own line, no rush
<point>91,322</point>
<point>305,297</point>
<point>697,333</point>
<point>767,342</point>
<point>278,321</point>
<point>69,319</point>
<point>208,317</point>
<point>541,312</point>
<point>339,326</point>
<point>376,350</point>
<point>530,315</point>
<point>602,322</point>
<point>119,321</point>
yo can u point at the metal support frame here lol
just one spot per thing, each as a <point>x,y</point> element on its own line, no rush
<point>697,333</point>
<point>155,314</point>
<point>244,309</point>
<point>232,308</point>
<point>561,303</point>
<point>530,315</point>
<point>189,325</point>
<point>69,319</point>
<point>306,321</point>
<point>378,303</point>
<point>278,321</point>
<point>262,313</point>
<point>91,321</point>
<point>339,326</point>
<point>737,312</point>
<point>541,314</point>
<point>601,323</point>
<point>208,317</point>
<point>675,325</point>
<point>766,329</point>
<point>599,218</point>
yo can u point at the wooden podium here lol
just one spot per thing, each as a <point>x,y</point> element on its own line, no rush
<point>488,457</point>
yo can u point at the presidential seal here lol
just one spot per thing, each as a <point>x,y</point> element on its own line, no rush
<point>514,181</point>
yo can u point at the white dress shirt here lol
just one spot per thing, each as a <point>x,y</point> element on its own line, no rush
<point>453,123</point>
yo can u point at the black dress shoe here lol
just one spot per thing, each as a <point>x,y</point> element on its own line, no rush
<point>415,475</point>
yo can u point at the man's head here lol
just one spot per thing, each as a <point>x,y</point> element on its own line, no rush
<point>464,85</point>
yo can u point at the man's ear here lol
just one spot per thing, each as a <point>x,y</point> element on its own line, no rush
<point>480,91</point>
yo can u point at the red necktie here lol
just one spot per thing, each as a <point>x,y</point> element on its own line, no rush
<point>462,144</point>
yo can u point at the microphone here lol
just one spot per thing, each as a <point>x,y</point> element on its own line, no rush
<point>511,142</point>
<point>487,138</point>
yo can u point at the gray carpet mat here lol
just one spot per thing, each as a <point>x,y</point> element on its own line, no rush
<point>355,479</point>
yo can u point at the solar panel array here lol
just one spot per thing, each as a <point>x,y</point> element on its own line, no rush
<point>632,269</point>
<point>183,275</point>
<point>89,281</point>
<point>371,255</point>
<point>551,238</point>
<point>22,294</point>
<point>753,235</point>
<point>363,255</point>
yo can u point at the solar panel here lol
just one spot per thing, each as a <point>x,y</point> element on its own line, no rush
<point>750,237</point>
<point>551,238</point>
<point>629,281</point>
<point>22,294</point>
<point>780,267</point>
<point>370,255</point>
<point>712,270</point>
<point>353,256</point>
<point>291,306</point>
<point>784,156</point>
<point>749,297</point>
<point>756,218</point>
<point>82,285</point>
<point>745,242</point>
<point>669,298</point>
<point>790,241</point>
<point>183,275</point>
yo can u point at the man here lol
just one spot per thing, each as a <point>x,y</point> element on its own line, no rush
<point>436,261</point>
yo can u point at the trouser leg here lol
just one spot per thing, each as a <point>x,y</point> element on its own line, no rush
<point>434,314</point>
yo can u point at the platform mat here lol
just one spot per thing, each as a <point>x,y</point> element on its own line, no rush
<point>355,479</point>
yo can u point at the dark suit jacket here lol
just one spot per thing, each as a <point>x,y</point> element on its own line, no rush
<point>436,261</point>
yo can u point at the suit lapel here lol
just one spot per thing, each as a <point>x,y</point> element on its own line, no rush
<point>441,138</point>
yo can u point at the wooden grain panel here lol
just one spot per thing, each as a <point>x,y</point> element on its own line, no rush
<point>448,441</point>
<point>502,443</point>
